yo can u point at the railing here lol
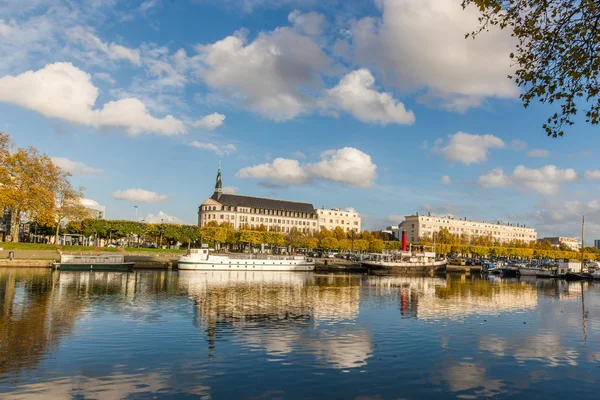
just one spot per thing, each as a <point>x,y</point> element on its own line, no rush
<point>239,256</point>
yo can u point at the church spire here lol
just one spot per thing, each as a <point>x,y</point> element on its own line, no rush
<point>218,185</point>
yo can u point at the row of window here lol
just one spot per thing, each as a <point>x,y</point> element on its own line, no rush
<point>338,222</point>
<point>293,214</point>
<point>489,226</point>
<point>341,214</point>
<point>228,217</point>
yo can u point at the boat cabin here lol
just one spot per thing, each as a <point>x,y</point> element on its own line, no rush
<point>89,259</point>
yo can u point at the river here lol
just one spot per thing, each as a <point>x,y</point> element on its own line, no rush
<point>268,335</point>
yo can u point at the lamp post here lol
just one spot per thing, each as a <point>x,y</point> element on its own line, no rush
<point>136,213</point>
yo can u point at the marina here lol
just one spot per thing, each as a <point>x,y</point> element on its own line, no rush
<point>241,334</point>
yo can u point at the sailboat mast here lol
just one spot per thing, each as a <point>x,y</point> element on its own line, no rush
<point>582,242</point>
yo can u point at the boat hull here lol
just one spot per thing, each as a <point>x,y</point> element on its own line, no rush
<point>405,267</point>
<point>578,276</point>
<point>510,272</point>
<point>247,265</point>
<point>127,266</point>
<point>528,271</point>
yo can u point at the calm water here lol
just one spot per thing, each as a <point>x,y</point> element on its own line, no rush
<point>189,334</point>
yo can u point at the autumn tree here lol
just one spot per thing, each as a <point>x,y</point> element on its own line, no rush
<point>556,55</point>
<point>28,181</point>
<point>329,243</point>
<point>67,202</point>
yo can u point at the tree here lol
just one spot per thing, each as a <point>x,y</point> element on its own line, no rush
<point>556,56</point>
<point>67,200</point>
<point>329,243</point>
<point>294,238</point>
<point>376,246</point>
<point>28,180</point>
<point>564,247</point>
<point>339,233</point>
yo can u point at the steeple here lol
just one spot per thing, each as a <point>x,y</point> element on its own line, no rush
<point>218,185</point>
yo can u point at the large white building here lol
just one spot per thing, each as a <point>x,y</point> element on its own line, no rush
<point>94,210</point>
<point>252,212</point>
<point>332,218</point>
<point>417,226</point>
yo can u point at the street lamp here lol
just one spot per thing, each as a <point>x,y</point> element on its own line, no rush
<point>136,213</point>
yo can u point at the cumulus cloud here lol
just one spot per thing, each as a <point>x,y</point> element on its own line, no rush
<point>230,189</point>
<point>164,218</point>
<point>420,45</point>
<point>555,216</point>
<point>280,170</point>
<point>356,94</point>
<point>75,167</point>
<point>592,175</point>
<point>494,179</point>
<point>348,165</point>
<point>518,145</point>
<point>210,122</point>
<point>139,195</point>
<point>311,23</point>
<point>299,155</point>
<point>218,149</point>
<point>445,180</point>
<point>468,149</point>
<point>272,75</point>
<point>88,38</point>
<point>538,153</point>
<point>63,91</point>
<point>545,180</point>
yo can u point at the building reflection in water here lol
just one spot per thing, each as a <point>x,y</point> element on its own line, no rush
<point>282,312</point>
<point>456,296</point>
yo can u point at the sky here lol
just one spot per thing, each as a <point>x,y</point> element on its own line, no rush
<point>381,106</point>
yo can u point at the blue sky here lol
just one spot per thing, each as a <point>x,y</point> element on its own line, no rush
<point>381,106</point>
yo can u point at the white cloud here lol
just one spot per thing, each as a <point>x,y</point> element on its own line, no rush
<point>356,94</point>
<point>494,179</point>
<point>218,149</point>
<point>75,167</point>
<point>230,189</point>
<point>161,217</point>
<point>468,149</point>
<point>272,75</point>
<point>445,180</point>
<point>420,44</point>
<point>88,38</point>
<point>280,170</point>
<point>311,23</point>
<point>105,77</point>
<point>538,153</point>
<point>148,5</point>
<point>63,91</point>
<point>518,145</point>
<point>545,180</point>
<point>210,122</point>
<point>139,195</point>
<point>348,165</point>
<point>562,217</point>
<point>299,155</point>
<point>592,175</point>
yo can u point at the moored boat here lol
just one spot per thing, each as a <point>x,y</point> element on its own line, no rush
<point>203,260</point>
<point>404,261</point>
<point>102,262</point>
<point>528,271</point>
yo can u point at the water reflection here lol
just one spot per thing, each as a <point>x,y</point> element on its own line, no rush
<point>247,334</point>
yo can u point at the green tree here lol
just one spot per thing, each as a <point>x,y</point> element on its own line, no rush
<point>556,55</point>
<point>339,233</point>
<point>376,246</point>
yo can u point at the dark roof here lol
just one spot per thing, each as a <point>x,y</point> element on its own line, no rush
<point>268,204</point>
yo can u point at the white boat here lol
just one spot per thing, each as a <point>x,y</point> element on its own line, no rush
<point>528,271</point>
<point>404,261</point>
<point>204,260</point>
<point>552,271</point>
<point>596,274</point>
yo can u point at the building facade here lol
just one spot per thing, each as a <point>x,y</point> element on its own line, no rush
<point>94,210</point>
<point>417,226</point>
<point>556,241</point>
<point>254,212</point>
<point>597,244</point>
<point>335,217</point>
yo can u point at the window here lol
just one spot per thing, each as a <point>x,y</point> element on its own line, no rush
<point>221,216</point>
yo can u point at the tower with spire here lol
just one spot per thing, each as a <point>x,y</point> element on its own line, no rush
<point>218,185</point>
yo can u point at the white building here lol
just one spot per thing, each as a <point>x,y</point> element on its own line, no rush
<point>417,226</point>
<point>332,218</point>
<point>252,212</point>
<point>556,241</point>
